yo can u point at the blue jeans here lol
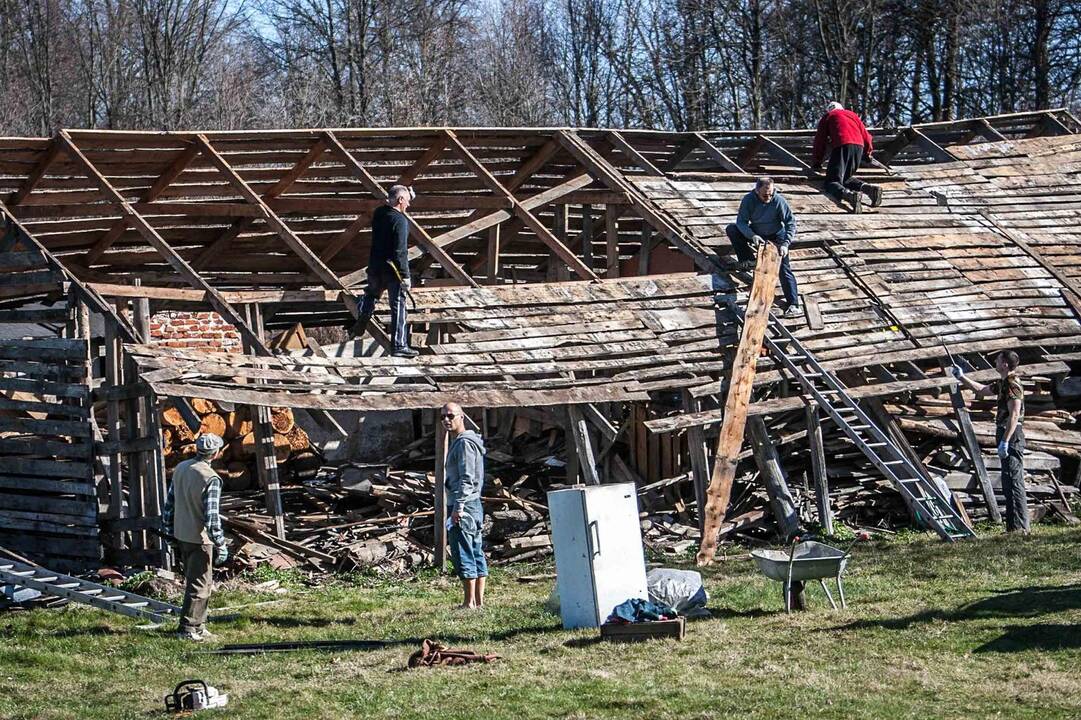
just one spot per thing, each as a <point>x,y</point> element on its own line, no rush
<point>742,246</point>
<point>382,280</point>
<point>467,544</point>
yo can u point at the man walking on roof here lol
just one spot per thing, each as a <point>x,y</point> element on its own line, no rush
<point>764,215</point>
<point>844,132</point>
<point>388,270</point>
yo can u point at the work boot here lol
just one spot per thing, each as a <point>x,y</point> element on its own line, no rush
<point>873,193</point>
<point>792,311</point>
<point>360,327</point>
<point>743,265</point>
<point>405,352</point>
<point>189,634</point>
<point>853,199</point>
<point>205,634</point>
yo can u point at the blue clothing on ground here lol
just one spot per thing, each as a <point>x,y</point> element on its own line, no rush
<point>637,610</point>
<point>772,219</point>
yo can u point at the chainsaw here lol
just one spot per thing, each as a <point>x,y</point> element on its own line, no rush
<point>194,695</point>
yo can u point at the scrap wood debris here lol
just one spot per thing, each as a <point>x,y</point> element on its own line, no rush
<point>432,653</point>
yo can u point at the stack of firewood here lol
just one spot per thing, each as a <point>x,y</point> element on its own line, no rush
<point>234,425</point>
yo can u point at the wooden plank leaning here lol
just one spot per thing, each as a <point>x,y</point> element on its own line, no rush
<point>741,380</point>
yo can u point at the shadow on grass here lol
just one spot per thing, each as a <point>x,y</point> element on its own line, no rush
<point>1019,602</point>
<point>1043,636</point>
<point>341,645</point>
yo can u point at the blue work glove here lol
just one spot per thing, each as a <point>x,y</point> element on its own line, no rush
<point>957,372</point>
<point>1003,448</point>
<point>221,555</point>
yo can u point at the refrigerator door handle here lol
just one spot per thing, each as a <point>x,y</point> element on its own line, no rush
<point>594,538</point>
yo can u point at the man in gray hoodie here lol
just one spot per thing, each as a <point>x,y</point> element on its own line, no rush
<point>464,480</point>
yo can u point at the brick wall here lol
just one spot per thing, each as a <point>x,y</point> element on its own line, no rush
<point>193,330</point>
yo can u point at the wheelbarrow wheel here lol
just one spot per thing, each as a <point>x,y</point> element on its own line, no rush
<point>797,600</point>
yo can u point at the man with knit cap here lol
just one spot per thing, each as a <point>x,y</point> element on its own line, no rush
<point>844,132</point>
<point>191,517</point>
<point>464,479</point>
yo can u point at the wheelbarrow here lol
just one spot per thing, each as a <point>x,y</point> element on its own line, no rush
<point>807,559</point>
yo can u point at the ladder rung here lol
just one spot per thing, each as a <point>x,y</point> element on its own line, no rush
<point>113,598</point>
<point>136,604</point>
<point>67,586</point>
<point>93,591</point>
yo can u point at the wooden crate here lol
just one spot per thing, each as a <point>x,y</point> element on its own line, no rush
<point>637,632</point>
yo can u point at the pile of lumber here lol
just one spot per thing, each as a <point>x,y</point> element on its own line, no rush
<point>237,468</point>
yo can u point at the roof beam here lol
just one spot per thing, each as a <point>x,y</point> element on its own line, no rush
<point>682,150</point>
<point>603,170</point>
<point>152,193</point>
<point>36,174</point>
<point>938,152</point>
<point>271,218</point>
<point>418,233</point>
<point>430,155</point>
<point>782,154</point>
<point>717,156</point>
<point>238,226</point>
<point>193,278</point>
<point>629,150</point>
<point>561,250</point>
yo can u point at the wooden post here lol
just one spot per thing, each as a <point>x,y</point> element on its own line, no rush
<point>559,230</point>
<point>439,533</point>
<point>645,248</point>
<point>587,235</point>
<point>611,236</point>
<point>578,433</point>
<point>818,467</point>
<point>267,463</point>
<point>493,255</point>
<point>769,468</point>
<point>699,454</point>
<point>152,461</point>
<point>739,396</point>
<point>112,421</point>
<point>972,447</point>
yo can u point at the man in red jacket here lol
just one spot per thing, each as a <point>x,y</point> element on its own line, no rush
<point>844,132</point>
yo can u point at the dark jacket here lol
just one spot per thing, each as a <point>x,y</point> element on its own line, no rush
<point>837,128</point>
<point>390,240</point>
<point>465,470</point>
<point>770,219</point>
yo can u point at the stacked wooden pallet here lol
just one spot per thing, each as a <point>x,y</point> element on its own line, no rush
<point>48,499</point>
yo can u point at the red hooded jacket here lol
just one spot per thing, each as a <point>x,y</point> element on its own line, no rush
<point>837,128</point>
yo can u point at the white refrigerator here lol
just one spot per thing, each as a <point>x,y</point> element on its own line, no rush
<point>598,549</point>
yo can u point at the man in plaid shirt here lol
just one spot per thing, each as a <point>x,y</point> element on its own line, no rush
<point>191,518</point>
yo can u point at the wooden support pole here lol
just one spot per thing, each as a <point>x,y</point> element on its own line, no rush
<point>152,461</point>
<point>557,269</point>
<point>113,354</point>
<point>440,500</point>
<point>645,248</point>
<point>739,396</point>
<point>578,435</point>
<point>699,456</point>
<point>773,476</point>
<point>267,462</point>
<point>493,266</point>
<point>587,236</point>
<point>972,449</point>
<point>818,467</point>
<point>611,237</point>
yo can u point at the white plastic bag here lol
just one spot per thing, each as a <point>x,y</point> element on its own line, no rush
<point>679,589</point>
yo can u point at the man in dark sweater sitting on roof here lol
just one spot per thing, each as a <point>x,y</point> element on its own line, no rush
<point>388,269</point>
<point>764,215</point>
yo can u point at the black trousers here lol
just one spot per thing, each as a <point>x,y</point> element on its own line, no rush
<point>1013,482</point>
<point>844,162</point>
<point>742,246</point>
<point>379,281</point>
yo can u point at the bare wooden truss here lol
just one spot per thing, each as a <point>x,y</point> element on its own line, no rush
<point>270,228</point>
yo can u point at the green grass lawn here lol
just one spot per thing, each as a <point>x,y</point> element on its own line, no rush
<point>986,628</point>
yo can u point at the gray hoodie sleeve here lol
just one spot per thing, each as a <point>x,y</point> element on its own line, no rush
<point>471,473</point>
